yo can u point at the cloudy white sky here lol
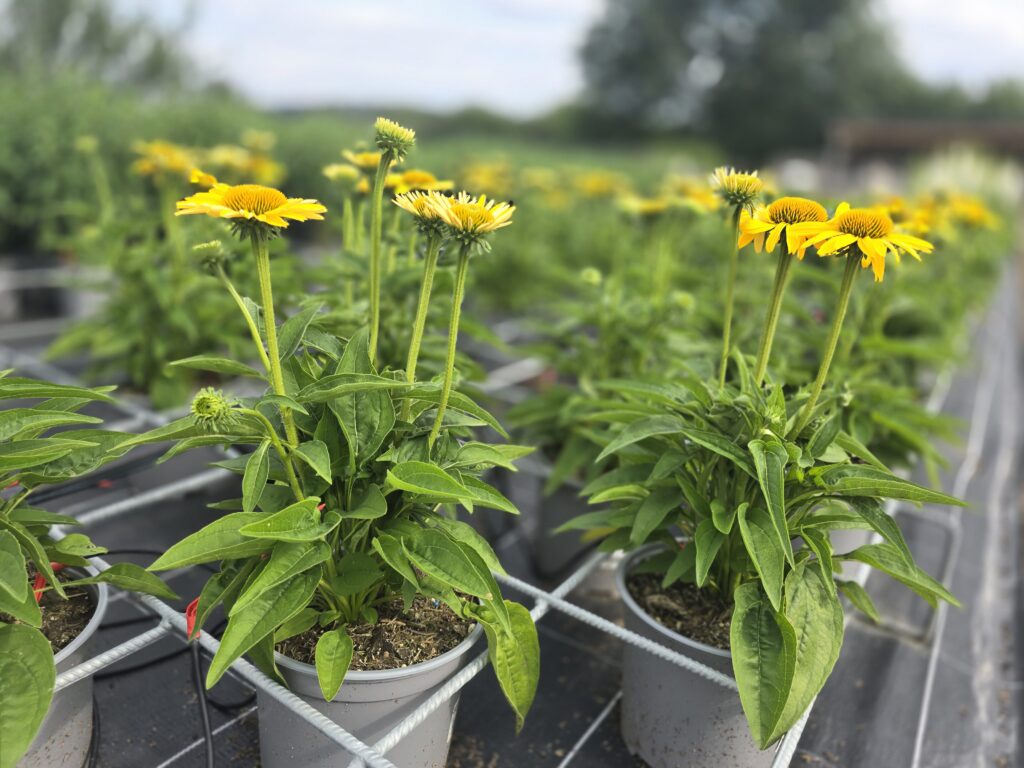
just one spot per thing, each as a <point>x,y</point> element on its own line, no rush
<point>514,56</point>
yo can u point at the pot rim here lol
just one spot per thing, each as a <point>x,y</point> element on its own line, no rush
<point>101,594</point>
<point>389,675</point>
<point>628,562</point>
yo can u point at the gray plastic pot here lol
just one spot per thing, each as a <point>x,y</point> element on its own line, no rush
<point>368,706</point>
<point>671,717</point>
<point>64,737</point>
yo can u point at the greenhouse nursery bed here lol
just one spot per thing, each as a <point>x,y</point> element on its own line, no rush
<point>897,696</point>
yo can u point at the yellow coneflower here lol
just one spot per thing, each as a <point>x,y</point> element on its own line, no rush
<point>415,179</point>
<point>422,205</point>
<point>159,157</point>
<point>697,194</point>
<point>768,224</point>
<point>250,203</point>
<point>470,219</point>
<point>970,211</point>
<point>871,231</point>
<point>737,188</point>
<point>494,178</point>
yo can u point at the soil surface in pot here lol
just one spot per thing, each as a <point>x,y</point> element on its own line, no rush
<point>683,608</point>
<point>398,639</point>
<point>63,620</point>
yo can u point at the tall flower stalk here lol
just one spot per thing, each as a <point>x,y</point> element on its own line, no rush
<point>420,322</point>
<point>394,142</point>
<point>739,191</point>
<point>458,293</point>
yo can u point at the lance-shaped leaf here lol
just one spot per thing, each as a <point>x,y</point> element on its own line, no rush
<point>217,365</point>
<point>515,658</point>
<point>299,522</point>
<point>333,657</point>
<point>864,480</point>
<point>27,676</point>
<point>287,559</point>
<point>220,540</point>
<point>763,646</point>
<point>641,430</point>
<point>254,479</point>
<point>770,462</point>
<point>763,547</point>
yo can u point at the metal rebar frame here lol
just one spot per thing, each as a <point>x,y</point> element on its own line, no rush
<point>172,621</point>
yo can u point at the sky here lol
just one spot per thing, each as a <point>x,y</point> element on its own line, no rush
<point>517,57</point>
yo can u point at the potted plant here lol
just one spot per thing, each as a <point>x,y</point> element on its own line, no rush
<point>51,600</point>
<point>728,495</point>
<point>343,561</point>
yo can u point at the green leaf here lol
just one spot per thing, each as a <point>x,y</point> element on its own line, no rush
<point>13,576</point>
<point>763,646</point>
<point>683,566</point>
<point>723,518</point>
<point>438,556</point>
<point>77,545</point>
<point>814,613</point>
<point>299,522</point>
<point>859,598</point>
<point>36,553</point>
<point>17,421</point>
<point>287,560</point>
<point>131,577</point>
<point>862,480</point>
<point>217,365</point>
<point>282,401</point>
<point>515,658</point>
<point>770,462</point>
<point>341,384</point>
<point>296,625</point>
<point>652,512</point>
<point>254,480</point>
<point>855,448</point>
<point>484,495</point>
<point>15,387</point>
<point>333,657</point>
<point>220,540</point>
<point>824,436</point>
<point>821,545</point>
<point>425,479</point>
<point>467,535</point>
<point>391,551</point>
<point>316,455</point>
<point>372,506</point>
<point>260,618</point>
<point>641,430</point>
<point>723,446</point>
<point>294,328</point>
<point>708,540</point>
<point>357,572</point>
<point>874,514</point>
<point>484,456</point>
<point>25,454</point>
<point>885,557</point>
<point>457,401</point>
<point>27,676</point>
<point>24,608</point>
<point>762,545</point>
<point>631,491</point>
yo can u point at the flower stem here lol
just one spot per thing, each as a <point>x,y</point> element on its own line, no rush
<point>852,265</point>
<point>348,225</point>
<point>771,321</point>
<point>730,287</point>
<point>429,265</point>
<point>262,252</point>
<point>376,203</point>
<point>453,333</point>
<point>254,330</point>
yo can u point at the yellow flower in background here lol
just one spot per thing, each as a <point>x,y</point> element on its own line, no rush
<point>415,179</point>
<point>600,184</point>
<point>160,157</point>
<point>695,191</point>
<point>970,211</point>
<point>769,223</point>
<point>539,179</point>
<point>737,188</point>
<point>495,178</point>
<point>365,161</point>
<point>250,203</point>
<point>259,141</point>
<point>470,218</point>
<point>644,207</point>
<point>915,218</point>
<point>342,172</point>
<point>870,230</point>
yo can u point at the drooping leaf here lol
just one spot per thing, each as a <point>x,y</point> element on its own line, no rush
<point>641,430</point>
<point>131,577</point>
<point>27,676</point>
<point>217,365</point>
<point>762,545</point>
<point>763,645</point>
<point>438,556</point>
<point>287,559</point>
<point>220,540</point>
<point>515,658</point>
<point>887,558</point>
<point>315,454</point>
<point>333,656</point>
<point>770,462</point>
<point>254,480</point>
<point>299,522</point>
<point>652,512</point>
<point>708,540</point>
